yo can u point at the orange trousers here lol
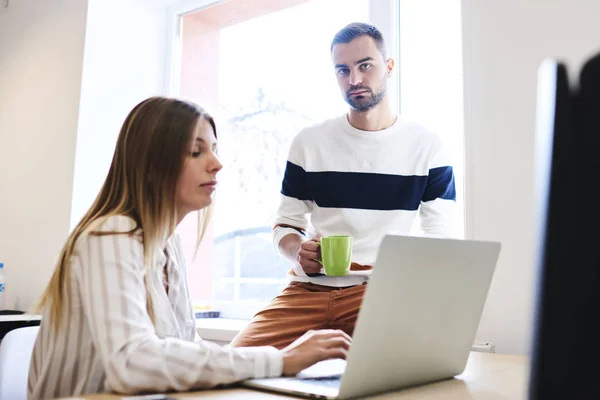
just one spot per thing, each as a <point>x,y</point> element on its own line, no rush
<point>300,308</point>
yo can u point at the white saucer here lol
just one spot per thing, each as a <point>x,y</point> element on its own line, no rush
<point>367,272</point>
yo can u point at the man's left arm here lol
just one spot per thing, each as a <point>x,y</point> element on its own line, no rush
<point>439,210</point>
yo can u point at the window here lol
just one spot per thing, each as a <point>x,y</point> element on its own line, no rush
<point>263,69</point>
<point>431,77</point>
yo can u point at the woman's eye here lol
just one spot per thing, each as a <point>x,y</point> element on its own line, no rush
<point>195,154</point>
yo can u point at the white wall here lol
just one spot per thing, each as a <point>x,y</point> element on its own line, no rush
<point>504,43</point>
<point>124,63</point>
<point>49,109</point>
<point>41,56</point>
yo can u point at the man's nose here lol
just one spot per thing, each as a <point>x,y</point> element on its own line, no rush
<point>355,79</point>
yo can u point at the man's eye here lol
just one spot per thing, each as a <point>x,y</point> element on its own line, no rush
<point>365,66</point>
<point>343,71</point>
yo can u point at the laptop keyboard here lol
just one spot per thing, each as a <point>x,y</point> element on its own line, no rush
<point>329,381</point>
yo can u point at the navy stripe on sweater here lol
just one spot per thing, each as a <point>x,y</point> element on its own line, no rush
<point>367,191</point>
<point>440,184</point>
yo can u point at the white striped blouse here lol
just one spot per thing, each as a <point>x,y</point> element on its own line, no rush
<point>107,341</point>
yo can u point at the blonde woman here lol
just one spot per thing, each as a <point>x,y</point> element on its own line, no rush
<point>117,315</point>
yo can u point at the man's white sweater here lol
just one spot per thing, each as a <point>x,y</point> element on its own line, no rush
<point>340,180</point>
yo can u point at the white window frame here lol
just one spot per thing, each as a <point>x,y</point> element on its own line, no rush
<point>383,14</point>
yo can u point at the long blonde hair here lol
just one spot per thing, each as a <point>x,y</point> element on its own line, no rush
<point>152,145</point>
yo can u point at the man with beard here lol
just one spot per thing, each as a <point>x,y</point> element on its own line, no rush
<point>365,174</point>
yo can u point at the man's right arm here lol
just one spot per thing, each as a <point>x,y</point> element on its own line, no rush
<point>294,206</point>
<point>289,246</point>
<point>302,253</point>
<point>291,221</point>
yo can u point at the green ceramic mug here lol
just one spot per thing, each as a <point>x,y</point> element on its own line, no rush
<point>336,255</point>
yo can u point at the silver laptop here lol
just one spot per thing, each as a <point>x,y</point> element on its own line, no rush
<point>417,321</point>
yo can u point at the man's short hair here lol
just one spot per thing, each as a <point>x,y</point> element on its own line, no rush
<point>356,30</point>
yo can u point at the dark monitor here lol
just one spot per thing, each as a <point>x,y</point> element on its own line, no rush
<point>565,360</point>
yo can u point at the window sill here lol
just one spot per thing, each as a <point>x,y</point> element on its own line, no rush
<point>223,330</point>
<point>219,329</point>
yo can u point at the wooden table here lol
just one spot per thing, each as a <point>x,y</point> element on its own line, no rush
<point>486,377</point>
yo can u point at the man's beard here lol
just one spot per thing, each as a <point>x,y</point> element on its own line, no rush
<point>367,101</point>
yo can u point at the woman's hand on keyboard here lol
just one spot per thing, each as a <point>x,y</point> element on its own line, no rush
<point>315,346</point>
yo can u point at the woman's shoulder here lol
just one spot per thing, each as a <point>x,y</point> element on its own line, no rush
<point>108,242</point>
<point>108,230</point>
<point>114,224</point>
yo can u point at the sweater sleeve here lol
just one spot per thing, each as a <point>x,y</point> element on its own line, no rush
<point>438,205</point>
<point>295,200</point>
